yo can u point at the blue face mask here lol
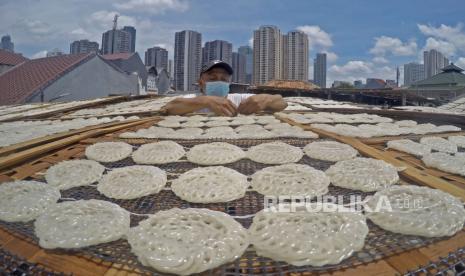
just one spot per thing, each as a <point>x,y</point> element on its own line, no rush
<point>217,88</point>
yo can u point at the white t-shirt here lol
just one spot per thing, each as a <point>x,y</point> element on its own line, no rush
<point>236,99</point>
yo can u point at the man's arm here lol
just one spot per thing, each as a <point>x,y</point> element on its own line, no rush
<point>181,106</point>
<point>262,102</point>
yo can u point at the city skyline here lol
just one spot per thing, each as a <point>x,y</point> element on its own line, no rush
<point>367,45</point>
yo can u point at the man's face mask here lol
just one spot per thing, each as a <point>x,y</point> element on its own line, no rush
<point>217,88</point>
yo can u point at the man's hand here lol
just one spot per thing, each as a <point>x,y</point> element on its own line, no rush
<point>253,104</point>
<point>262,102</point>
<point>219,105</point>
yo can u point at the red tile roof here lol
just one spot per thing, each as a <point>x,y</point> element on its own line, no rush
<point>117,56</point>
<point>10,58</point>
<point>22,81</point>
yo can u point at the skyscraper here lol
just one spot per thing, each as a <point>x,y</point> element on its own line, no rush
<point>83,46</point>
<point>295,56</point>
<point>187,59</point>
<point>116,41</point>
<point>267,54</point>
<point>248,53</point>
<point>217,50</point>
<point>132,31</point>
<point>434,61</point>
<point>157,57</point>
<point>239,66</point>
<point>319,70</point>
<point>413,72</point>
<point>6,44</point>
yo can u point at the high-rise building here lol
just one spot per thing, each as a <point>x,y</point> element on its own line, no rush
<point>6,44</point>
<point>187,59</point>
<point>132,44</point>
<point>434,61</point>
<point>319,70</point>
<point>239,66</point>
<point>116,41</point>
<point>295,56</point>
<point>267,54</point>
<point>157,57</point>
<point>83,46</point>
<point>413,72</point>
<point>171,68</point>
<point>217,50</point>
<point>248,53</point>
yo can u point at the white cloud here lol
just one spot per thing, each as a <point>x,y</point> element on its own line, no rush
<point>380,60</point>
<point>391,45</point>
<point>446,48</point>
<point>331,57</point>
<point>359,70</point>
<point>453,35</point>
<point>317,38</point>
<point>460,62</point>
<point>153,6</point>
<point>250,42</point>
<point>103,20</point>
<point>39,54</point>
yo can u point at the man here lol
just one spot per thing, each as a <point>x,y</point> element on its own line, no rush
<point>214,82</point>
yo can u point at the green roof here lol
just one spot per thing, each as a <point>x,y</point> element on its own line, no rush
<point>451,77</point>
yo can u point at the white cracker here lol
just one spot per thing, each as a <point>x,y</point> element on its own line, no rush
<point>210,185</point>
<point>291,180</point>
<point>108,151</point>
<point>409,146</point>
<point>458,140</point>
<point>74,173</point>
<point>81,223</point>
<point>274,153</point>
<point>414,210</point>
<point>439,144</point>
<point>330,151</point>
<point>317,237</point>
<point>188,241</point>
<point>445,162</point>
<point>22,201</point>
<point>364,174</point>
<point>158,153</point>
<point>217,153</point>
<point>132,182</point>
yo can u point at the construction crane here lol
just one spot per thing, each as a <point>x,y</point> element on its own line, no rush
<point>115,22</point>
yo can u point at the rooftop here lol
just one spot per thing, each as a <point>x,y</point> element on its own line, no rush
<point>24,80</point>
<point>10,58</point>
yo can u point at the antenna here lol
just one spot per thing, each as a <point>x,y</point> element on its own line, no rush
<point>115,21</point>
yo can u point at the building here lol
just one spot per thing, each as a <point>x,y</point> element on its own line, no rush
<point>130,63</point>
<point>413,72</point>
<point>6,44</point>
<point>116,41</point>
<point>187,60</point>
<point>267,55</point>
<point>83,46</point>
<point>132,32</point>
<point>391,83</point>
<point>248,53</point>
<point>434,61</point>
<point>217,50</point>
<point>157,57</point>
<point>171,68</point>
<point>9,60</point>
<point>358,84</point>
<point>64,78</point>
<point>239,63</point>
<point>55,52</point>
<point>319,70</point>
<point>445,86</point>
<point>295,56</point>
<point>375,83</point>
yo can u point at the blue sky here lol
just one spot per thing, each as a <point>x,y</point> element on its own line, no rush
<point>364,38</point>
